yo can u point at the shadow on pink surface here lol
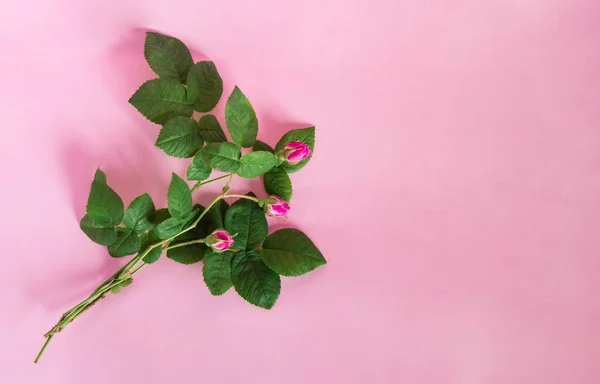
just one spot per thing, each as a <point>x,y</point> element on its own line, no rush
<point>61,290</point>
<point>122,162</point>
<point>126,68</point>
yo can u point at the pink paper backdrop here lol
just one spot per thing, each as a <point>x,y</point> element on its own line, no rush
<point>455,191</point>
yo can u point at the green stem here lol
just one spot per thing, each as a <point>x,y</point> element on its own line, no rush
<point>107,281</point>
<point>96,296</point>
<point>201,183</point>
<point>193,225</point>
<point>242,197</point>
<point>138,268</point>
<point>126,272</point>
<point>89,305</point>
<point>199,241</point>
<point>43,348</point>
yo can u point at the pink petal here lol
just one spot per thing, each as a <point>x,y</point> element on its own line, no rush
<point>221,246</point>
<point>299,154</point>
<point>282,202</point>
<point>277,210</point>
<point>222,235</point>
<point>295,157</point>
<point>278,200</point>
<point>294,145</point>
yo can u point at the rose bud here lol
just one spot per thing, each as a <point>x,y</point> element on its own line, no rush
<point>220,240</point>
<point>295,151</point>
<point>276,206</point>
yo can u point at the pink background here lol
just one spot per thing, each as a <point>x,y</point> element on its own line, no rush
<point>455,191</point>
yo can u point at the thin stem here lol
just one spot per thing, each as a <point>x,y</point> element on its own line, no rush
<point>107,281</point>
<point>226,187</point>
<point>39,356</point>
<point>140,256</point>
<point>123,273</point>
<point>193,225</point>
<point>138,268</point>
<point>199,241</point>
<point>201,183</point>
<point>89,305</point>
<point>97,295</point>
<point>242,197</point>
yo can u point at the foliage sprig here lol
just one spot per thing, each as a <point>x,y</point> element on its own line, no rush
<point>233,241</point>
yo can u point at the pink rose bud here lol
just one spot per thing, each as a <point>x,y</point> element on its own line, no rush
<point>276,206</point>
<point>295,151</point>
<point>219,240</point>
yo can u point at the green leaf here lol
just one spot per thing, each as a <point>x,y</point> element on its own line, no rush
<point>137,215</point>
<point>241,119</point>
<point>153,255</point>
<point>278,183</point>
<point>246,219</point>
<point>180,137</point>
<point>126,282</point>
<point>211,130</point>
<point>167,228</point>
<point>116,289</point>
<point>223,157</point>
<point>168,57</point>
<point>214,218</point>
<point>261,146</point>
<point>188,254</point>
<point>290,252</point>
<point>222,207</point>
<point>104,207</point>
<point>255,164</point>
<point>159,216</point>
<point>217,271</point>
<point>100,176</point>
<point>198,169</point>
<point>189,218</point>
<point>179,197</point>
<point>204,227</point>
<point>148,239</point>
<point>254,281</point>
<point>204,86</point>
<point>160,100</point>
<point>99,235</point>
<point>303,135</point>
<point>127,243</point>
